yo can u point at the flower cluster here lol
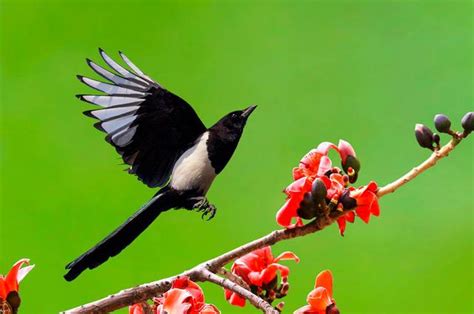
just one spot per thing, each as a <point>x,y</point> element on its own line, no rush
<point>9,286</point>
<point>259,269</point>
<point>320,299</point>
<point>319,189</point>
<point>184,297</point>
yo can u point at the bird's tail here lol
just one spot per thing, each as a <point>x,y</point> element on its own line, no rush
<point>115,242</point>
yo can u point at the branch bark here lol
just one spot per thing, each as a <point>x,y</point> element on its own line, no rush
<point>207,271</point>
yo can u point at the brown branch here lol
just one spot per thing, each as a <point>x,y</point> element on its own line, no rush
<point>207,270</point>
<point>256,301</point>
<point>233,277</point>
<point>428,163</point>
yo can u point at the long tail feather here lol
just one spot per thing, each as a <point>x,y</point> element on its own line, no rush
<point>123,235</point>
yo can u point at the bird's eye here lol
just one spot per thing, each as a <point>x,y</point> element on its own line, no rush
<point>233,116</point>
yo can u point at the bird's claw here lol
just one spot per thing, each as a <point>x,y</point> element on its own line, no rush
<point>211,209</point>
<point>206,208</point>
<point>201,205</point>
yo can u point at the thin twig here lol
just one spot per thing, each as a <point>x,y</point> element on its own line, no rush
<point>211,267</point>
<point>233,277</point>
<point>234,287</point>
<point>428,163</point>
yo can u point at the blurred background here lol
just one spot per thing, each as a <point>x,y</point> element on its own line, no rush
<point>319,71</point>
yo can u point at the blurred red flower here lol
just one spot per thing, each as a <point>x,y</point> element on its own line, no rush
<point>259,269</point>
<point>9,284</point>
<point>320,299</point>
<point>184,297</point>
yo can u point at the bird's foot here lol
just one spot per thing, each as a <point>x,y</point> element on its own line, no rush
<point>206,208</point>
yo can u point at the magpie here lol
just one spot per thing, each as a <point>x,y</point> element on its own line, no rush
<point>163,142</point>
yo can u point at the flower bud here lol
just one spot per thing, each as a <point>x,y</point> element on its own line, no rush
<point>424,136</point>
<point>318,191</point>
<point>436,139</point>
<point>332,309</point>
<point>347,201</point>
<point>351,166</point>
<point>307,209</point>
<point>467,122</point>
<point>442,123</point>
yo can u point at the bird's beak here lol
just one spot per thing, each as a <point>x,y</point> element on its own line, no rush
<point>246,113</point>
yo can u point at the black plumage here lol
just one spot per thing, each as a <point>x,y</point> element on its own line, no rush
<point>165,144</point>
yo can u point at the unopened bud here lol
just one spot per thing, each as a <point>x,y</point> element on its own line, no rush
<point>332,309</point>
<point>436,139</point>
<point>279,306</point>
<point>347,201</point>
<point>307,209</point>
<point>424,136</point>
<point>467,122</point>
<point>442,123</point>
<point>318,191</point>
<point>351,166</point>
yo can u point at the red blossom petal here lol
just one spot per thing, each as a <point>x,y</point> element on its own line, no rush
<point>234,298</point>
<point>350,217</point>
<point>364,213</point>
<point>298,187</point>
<point>177,301</point>
<point>209,309</point>
<point>193,288</point>
<point>319,299</point>
<point>375,208</point>
<point>325,280</point>
<point>341,222</point>
<point>325,164</point>
<point>11,280</point>
<point>287,212</point>
<point>298,173</point>
<point>324,148</point>
<point>307,309</point>
<point>345,149</point>
<point>136,309</point>
<point>286,256</point>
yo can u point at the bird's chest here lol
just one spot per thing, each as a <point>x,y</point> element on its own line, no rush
<point>193,170</point>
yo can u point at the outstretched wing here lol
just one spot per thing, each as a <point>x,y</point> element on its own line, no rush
<point>149,126</point>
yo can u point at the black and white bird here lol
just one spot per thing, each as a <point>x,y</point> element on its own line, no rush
<point>164,143</point>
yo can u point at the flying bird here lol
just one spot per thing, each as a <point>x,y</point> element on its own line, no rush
<point>163,142</point>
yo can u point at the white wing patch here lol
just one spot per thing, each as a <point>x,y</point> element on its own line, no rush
<point>123,138</point>
<point>109,113</point>
<point>109,101</point>
<point>110,88</point>
<point>116,124</point>
<point>125,91</point>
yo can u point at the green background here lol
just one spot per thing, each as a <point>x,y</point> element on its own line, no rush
<point>362,71</point>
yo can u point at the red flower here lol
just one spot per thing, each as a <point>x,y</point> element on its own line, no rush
<point>295,192</point>
<point>302,200</point>
<point>367,204</point>
<point>367,201</point>
<point>10,283</point>
<point>320,299</point>
<point>184,297</point>
<point>259,269</point>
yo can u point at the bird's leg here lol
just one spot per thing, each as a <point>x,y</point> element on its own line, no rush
<point>201,204</point>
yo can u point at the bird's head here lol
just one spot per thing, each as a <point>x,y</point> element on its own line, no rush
<point>234,122</point>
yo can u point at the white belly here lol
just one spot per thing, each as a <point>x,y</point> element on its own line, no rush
<point>193,169</point>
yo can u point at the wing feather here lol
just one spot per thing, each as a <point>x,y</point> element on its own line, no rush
<point>149,126</point>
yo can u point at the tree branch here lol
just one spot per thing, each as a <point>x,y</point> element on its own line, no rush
<point>207,271</point>
<point>428,163</point>
<point>232,277</point>
<point>226,283</point>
